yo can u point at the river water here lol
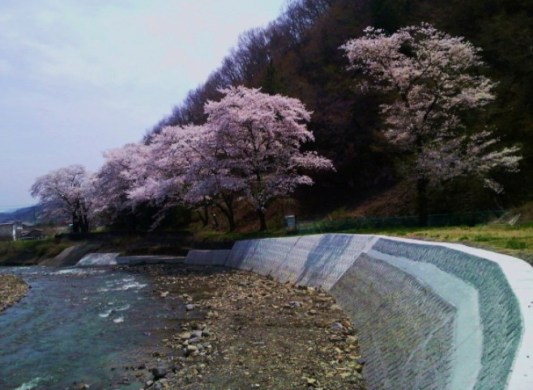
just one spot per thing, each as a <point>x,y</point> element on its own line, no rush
<point>77,325</point>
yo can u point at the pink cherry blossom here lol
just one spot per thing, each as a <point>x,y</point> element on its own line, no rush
<point>254,144</point>
<point>115,179</point>
<point>431,80</point>
<point>66,193</point>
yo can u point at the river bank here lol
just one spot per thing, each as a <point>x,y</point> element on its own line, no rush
<point>241,331</point>
<point>175,326</point>
<point>12,289</point>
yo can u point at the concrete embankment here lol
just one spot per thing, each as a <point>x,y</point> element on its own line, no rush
<point>71,255</point>
<point>429,315</point>
<point>105,259</point>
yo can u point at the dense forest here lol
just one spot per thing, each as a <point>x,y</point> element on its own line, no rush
<point>298,55</point>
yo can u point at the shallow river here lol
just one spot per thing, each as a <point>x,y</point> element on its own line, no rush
<point>78,325</point>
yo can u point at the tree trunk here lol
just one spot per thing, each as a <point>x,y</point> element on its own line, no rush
<point>262,219</point>
<point>231,222</point>
<point>84,224</point>
<point>75,223</point>
<point>228,200</point>
<point>422,201</point>
<point>204,215</point>
<point>231,218</point>
<point>228,211</point>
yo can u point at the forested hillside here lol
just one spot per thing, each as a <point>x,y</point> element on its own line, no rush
<point>26,214</point>
<point>298,55</point>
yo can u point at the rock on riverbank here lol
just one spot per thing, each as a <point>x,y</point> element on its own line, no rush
<point>245,331</point>
<point>12,289</point>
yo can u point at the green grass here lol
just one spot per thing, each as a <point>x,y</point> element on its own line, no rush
<point>512,240</point>
<point>30,252</point>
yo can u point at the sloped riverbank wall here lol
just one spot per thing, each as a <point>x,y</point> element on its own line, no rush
<point>428,315</point>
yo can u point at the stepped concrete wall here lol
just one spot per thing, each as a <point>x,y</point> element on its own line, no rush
<point>317,260</point>
<point>428,315</point>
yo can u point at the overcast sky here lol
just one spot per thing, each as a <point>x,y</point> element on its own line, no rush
<point>79,77</point>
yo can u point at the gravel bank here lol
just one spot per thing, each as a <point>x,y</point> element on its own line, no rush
<point>243,331</point>
<point>12,289</point>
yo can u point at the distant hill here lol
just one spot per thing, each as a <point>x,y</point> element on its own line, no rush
<point>26,214</point>
<point>298,55</point>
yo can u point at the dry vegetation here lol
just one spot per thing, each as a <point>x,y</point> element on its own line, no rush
<point>12,289</point>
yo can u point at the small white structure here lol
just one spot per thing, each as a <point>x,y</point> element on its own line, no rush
<point>10,231</point>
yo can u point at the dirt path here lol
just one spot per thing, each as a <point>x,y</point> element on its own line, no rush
<point>12,289</point>
<point>244,331</point>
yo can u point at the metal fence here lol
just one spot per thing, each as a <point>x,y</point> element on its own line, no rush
<point>367,223</point>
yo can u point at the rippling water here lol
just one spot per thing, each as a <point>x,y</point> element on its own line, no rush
<point>75,325</point>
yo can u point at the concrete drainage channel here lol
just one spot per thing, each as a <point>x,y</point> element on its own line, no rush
<point>428,315</point>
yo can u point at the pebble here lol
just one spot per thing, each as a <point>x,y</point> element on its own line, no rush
<point>351,339</point>
<point>196,326</point>
<point>194,340</point>
<point>189,307</point>
<point>335,338</point>
<point>185,335</point>
<point>159,372</point>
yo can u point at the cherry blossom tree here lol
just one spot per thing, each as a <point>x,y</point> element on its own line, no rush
<point>210,180</point>
<point>164,176</point>
<point>116,179</point>
<point>66,192</point>
<point>433,85</point>
<point>255,146</point>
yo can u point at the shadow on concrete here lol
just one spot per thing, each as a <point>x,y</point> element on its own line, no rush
<point>322,259</point>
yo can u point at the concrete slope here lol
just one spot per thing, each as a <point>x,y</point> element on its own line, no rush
<point>70,256</point>
<point>429,315</point>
